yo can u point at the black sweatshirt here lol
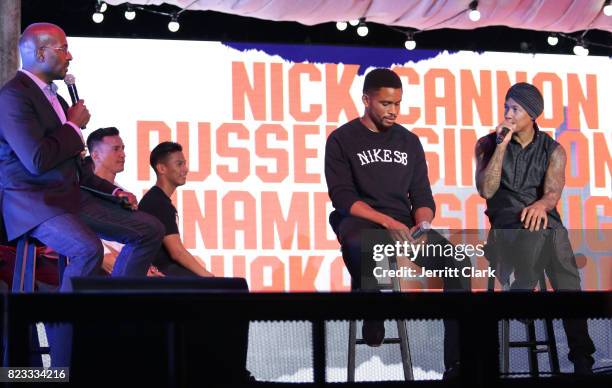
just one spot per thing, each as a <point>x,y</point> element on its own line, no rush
<point>387,170</point>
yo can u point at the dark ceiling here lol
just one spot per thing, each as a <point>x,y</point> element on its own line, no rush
<point>75,17</point>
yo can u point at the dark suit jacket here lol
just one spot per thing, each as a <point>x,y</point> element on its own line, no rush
<point>40,164</point>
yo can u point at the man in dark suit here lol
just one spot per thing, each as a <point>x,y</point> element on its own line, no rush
<point>41,169</point>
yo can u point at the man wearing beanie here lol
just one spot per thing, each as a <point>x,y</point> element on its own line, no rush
<point>520,171</point>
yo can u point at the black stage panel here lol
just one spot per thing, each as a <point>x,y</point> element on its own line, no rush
<point>205,350</point>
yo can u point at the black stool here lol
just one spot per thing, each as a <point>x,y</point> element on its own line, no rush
<point>535,347</point>
<point>24,279</point>
<point>402,340</point>
<point>24,274</point>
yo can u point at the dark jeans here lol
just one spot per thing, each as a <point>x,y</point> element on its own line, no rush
<point>77,236</point>
<point>353,231</point>
<point>528,254</point>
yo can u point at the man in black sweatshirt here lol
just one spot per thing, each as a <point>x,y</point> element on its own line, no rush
<point>377,180</point>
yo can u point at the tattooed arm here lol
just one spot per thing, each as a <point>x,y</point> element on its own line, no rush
<point>535,215</point>
<point>488,168</point>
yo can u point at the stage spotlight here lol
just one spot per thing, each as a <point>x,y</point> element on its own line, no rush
<point>174,25</point>
<point>103,7</point>
<point>410,44</point>
<point>354,22</point>
<point>553,39</point>
<point>607,8</point>
<point>130,14</point>
<point>341,26</point>
<point>474,14</point>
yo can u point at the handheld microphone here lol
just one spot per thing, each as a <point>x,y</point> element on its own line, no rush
<point>502,135</point>
<point>70,83</point>
<point>72,90</point>
<point>424,227</point>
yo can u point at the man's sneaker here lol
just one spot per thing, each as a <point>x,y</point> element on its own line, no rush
<point>452,372</point>
<point>583,365</point>
<point>373,332</point>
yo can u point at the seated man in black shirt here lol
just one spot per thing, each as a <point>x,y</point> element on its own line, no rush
<point>171,169</point>
<point>227,354</point>
<point>520,171</point>
<point>377,180</point>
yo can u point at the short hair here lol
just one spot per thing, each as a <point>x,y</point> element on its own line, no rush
<point>161,152</point>
<point>381,78</point>
<point>96,136</point>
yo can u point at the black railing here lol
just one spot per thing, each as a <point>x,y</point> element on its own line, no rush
<point>478,315</point>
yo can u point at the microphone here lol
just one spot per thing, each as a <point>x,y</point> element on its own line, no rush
<point>72,90</point>
<point>502,135</point>
<point>424,227</point>
<point>70,83</point>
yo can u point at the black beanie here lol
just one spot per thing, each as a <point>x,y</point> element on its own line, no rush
<point>527,96</point>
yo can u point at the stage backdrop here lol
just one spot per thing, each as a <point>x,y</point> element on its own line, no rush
<point>253,119</point>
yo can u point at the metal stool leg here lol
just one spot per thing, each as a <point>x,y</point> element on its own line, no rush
<point>25,266</point>
<point>553,356</point>
<point>62,262</point>
<point>405,350</point>
<point>549,333</point>
<point>532,347</point>
<point>350,368</point>
<point>505,335</point>
<point>401,329</point>
<point>20,266</point>
<point>505,340</point>
<point>30,274</point>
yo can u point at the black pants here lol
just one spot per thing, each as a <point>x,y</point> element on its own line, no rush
<point>175,270</point>
<point>528,254</point>
<point>355,237</point>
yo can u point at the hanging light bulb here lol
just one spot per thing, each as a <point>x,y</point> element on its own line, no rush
<point>103,7</point>
<point>553,39</point>
<point>580,49</point>
<point>362,30</point>
<point>607,8</point>
<point>474,14</point>
<point>410,43</point>
<point>341,26</point>
<point>129,14</point>
<point>354,22</point>
<point>98,16</point>
<point>174,25</point>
